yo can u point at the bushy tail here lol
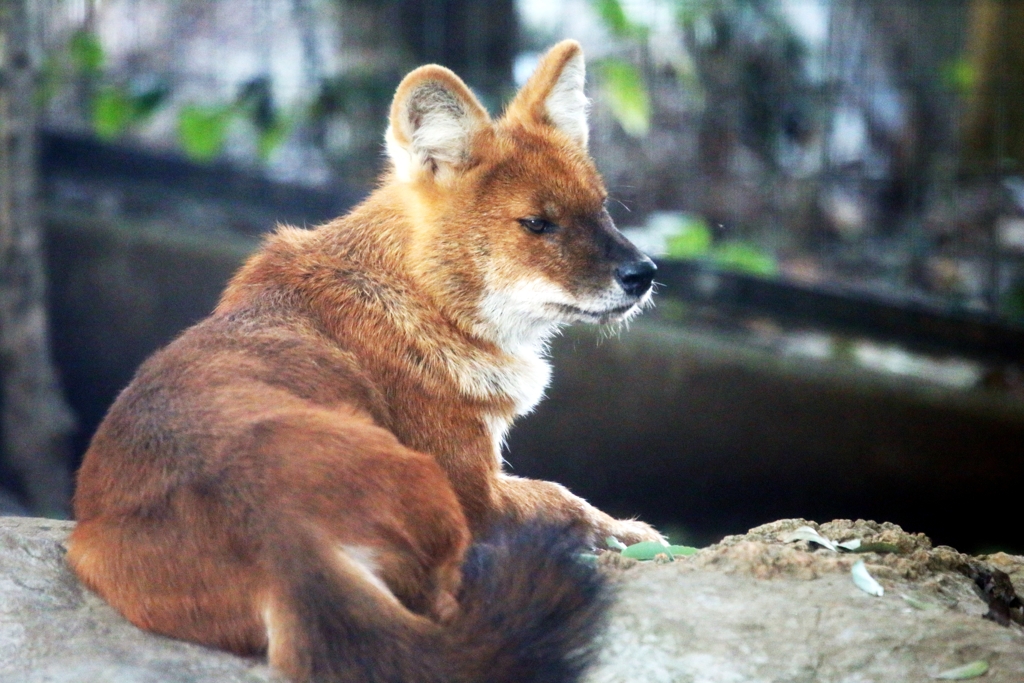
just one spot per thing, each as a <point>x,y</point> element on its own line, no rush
<point>530,611</point>
<point>530,606</point>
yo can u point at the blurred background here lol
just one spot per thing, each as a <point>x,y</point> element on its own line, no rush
<point>834,190</point>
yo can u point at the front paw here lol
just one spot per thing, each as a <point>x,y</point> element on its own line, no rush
<point>630,531</point>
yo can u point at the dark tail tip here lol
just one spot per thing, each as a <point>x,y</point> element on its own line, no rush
<point>533,608</point>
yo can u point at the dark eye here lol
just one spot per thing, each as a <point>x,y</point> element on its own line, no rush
<point>538,226</point>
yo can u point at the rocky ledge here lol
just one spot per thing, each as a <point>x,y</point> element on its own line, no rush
<point>764,606</point>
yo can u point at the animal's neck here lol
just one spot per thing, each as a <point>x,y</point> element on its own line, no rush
<point>491,348</point>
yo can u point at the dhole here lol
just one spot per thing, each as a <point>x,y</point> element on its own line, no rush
<point>303,472</point>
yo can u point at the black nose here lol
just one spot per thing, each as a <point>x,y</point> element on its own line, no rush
<point>636,277</point>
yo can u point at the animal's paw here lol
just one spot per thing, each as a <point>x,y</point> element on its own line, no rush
<point>630,531</point>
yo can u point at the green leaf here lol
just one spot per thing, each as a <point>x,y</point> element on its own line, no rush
<point>203,130</point>
<point>86,52</point>
<point>692,240</point>
<point>626,94</point>
<point>115,109</point>
<point>112,112</point>
<point>745,258</point>
<point>646,550</point>
<point>967,671</point>
<point>615,18</point>
<point>682,550</point>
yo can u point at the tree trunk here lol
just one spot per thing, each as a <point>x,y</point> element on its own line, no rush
<point>35,421</point>
<point>993,132</point>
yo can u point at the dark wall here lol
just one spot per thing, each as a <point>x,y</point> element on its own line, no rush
<point>658,422</point>
<point>685,430</point>
<point>119,292</point>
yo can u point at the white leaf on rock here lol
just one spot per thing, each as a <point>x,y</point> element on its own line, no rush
<point>806,533</point>
<point>864,581</point>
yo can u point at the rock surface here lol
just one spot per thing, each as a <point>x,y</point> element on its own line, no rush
<point>751,608</point>
<point>53,630</point>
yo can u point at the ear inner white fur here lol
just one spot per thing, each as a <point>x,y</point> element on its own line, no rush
<point>439,128</point>
<point>566,104</point>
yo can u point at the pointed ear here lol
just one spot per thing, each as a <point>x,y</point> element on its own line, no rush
<point>434,118</point>
<point>554,93</point>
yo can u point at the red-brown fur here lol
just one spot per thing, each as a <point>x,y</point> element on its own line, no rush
<point>325,402</point>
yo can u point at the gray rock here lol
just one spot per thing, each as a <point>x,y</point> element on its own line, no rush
<point>684,627</point>
<point>53,630</point>
<point>753,608</point>
<point>750,608</point>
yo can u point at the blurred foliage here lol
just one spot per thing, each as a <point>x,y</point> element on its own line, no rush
<point>693,239</point>
<point>747,47</point>
<point>202,130</point>
<point>114,108</point>
<point>672,310</point>
<point>616,21</point>
<point>960,75</point>
<point>622,83</point>
<point>117,108</point>
<point>744,257</point>
<point>626,95</point>
<point>349,92</point>
<point>255,103</point>
<point>111,112</point>
<point>86,52</point>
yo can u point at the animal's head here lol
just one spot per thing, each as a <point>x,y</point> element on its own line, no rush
<point>510,226</point>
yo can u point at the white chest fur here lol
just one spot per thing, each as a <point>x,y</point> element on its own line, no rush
<point>498,427</point>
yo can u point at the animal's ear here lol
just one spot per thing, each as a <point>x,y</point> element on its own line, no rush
<point>554,93</point>
<point>434,118</point>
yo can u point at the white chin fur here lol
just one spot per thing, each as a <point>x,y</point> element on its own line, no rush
<point>609,307</point>
<point>521,320</point>
<point>518,318</point>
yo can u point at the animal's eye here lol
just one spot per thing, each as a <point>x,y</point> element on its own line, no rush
<point>538,226</point>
